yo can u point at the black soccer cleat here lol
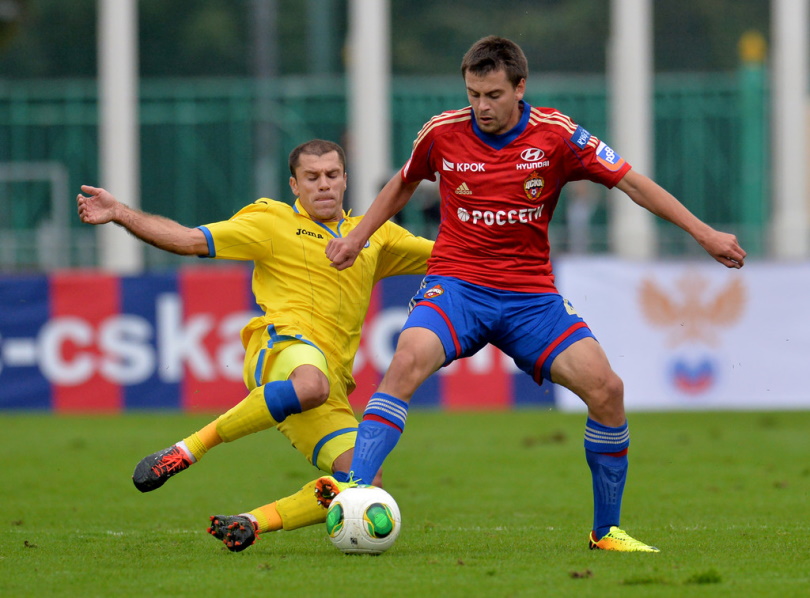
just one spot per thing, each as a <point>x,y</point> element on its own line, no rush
<point>153,471</point>
<point>235,531</point>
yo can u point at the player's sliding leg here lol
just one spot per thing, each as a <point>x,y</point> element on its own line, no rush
<point>298,510</point>
<point>606,452</point>
<point>298,381</point>
<point>238,532</point>
<point>263,408</point>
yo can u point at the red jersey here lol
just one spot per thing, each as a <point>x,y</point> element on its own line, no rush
<point>499,192</point>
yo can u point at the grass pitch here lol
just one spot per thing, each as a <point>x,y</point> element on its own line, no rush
<point>493,504</point>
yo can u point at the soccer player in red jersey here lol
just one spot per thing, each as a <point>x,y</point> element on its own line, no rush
<point>502,164</point>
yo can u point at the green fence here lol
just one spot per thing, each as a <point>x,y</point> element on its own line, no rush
<point>205,144</point>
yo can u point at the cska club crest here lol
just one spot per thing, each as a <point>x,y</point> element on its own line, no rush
<point>533,186</point>
<point>434,292</point>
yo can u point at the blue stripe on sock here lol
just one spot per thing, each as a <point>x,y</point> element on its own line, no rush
<point>388,408</point>
<point>605,439</point>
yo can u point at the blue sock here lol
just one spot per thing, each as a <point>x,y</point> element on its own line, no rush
<point>377,435</point>
<point>281,399</point>
<point>606,453</point>
<point>341,476</point>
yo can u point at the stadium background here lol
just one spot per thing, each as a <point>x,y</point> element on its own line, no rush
<point>203,104</point>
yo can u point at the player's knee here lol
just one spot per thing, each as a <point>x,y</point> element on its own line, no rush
<point>607,397</point>
<point>312,391</point>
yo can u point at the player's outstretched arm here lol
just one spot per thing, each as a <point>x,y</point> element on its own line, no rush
<point>343,251</point>
<point>99,206</point>
<point>723,247</point>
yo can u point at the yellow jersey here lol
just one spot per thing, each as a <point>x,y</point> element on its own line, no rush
<point>294,284</point>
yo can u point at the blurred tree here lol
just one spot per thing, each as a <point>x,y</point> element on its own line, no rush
<point>55,38</point>
<point>11,14</point>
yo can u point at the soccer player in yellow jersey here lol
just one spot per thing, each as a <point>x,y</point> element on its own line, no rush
<point>299,353</point>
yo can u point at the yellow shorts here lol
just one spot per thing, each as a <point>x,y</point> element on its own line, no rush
<point>321,434</point>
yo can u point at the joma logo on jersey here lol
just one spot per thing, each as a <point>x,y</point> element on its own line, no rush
<point>463,166</point>
<point>308,233</point>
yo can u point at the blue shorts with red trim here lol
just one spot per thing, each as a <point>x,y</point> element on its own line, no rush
<point>531,328</point>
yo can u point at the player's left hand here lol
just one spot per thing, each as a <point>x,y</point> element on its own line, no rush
<point>342,251</point>
<point>725,248</point>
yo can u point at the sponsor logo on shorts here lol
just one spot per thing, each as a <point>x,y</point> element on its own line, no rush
<point>581,137</point>
<point>533,186</point>
<point>608,158</point>
<point>434,292</point>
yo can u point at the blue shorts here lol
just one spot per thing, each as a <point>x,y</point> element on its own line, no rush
<point>531,328</point>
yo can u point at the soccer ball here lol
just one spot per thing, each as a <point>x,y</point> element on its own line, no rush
<point>363,520</point>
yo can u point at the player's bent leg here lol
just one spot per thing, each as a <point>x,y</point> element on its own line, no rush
<point>298,367</point>
<point>311,386</point>
<point>419,353</point>
<point>264,407</point>
<point>584,369</point>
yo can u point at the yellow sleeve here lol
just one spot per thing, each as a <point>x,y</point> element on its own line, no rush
<point>247,235</point>
<point>402,252</point>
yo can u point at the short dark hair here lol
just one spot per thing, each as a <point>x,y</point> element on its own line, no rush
<point>316,147</point>
<point>494,53</point>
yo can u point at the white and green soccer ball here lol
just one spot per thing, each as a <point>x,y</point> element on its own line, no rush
<point>363,520</point>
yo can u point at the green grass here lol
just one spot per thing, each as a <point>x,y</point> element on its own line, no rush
<point>494,504</point>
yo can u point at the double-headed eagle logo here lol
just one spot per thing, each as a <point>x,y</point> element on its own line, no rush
<point>694,315</point>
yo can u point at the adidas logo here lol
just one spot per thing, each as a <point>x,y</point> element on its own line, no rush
<point>463,189</point>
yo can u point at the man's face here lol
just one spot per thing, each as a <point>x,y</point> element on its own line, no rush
<point>495,102</point>
<point>320,183</point>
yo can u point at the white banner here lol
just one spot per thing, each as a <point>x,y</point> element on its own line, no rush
<point>695,335</point>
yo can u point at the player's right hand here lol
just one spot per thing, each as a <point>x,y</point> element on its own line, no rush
<point>97,207</point>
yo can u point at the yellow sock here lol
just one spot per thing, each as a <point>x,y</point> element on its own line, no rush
<point>201,441</point>
<point>301,509</point>
<point>267,518</point>
<point>249,416</point>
